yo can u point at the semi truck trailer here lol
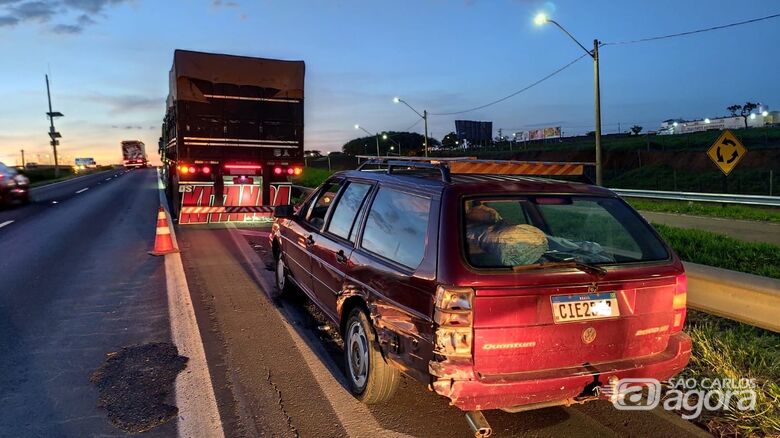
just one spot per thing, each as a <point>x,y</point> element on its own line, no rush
<point>232,136</point>
<point>134,154</point>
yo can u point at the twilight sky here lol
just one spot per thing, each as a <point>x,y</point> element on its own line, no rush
<point>109,59</point>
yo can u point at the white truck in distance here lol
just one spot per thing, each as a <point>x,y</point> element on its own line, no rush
<point>134,154</point>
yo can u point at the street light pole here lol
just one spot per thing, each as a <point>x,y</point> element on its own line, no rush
<point>53,134</point>
<point>370,133</point>
<point>424,116</point>
<point>541,19</point>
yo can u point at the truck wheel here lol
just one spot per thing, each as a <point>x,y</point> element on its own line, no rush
<point>282,281</point>
<point>371,379</point>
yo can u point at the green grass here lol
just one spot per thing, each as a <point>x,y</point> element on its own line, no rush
<point>730,211</point>
<point>727,349</point>
<point>311,177</point>
<point>721,251</point>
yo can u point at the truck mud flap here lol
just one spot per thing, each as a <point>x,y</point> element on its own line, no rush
<point>240,203</point>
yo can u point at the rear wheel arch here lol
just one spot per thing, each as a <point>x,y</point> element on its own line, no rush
<point>350,303</point>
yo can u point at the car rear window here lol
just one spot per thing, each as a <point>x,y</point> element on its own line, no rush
<point>396,227</point>
<point>516,231</point>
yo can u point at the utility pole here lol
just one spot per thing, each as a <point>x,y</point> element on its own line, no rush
<point>597,92</point>
<point>23,165</point>
<point>53,134</point>
<point>425,119</point>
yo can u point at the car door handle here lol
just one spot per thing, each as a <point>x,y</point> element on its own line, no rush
<point>341,257</point>
<point>309,240</point>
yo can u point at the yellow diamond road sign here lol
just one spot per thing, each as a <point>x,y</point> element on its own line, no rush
<point>726,152</point>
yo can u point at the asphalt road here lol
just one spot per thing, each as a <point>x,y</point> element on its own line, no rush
<point>76,283</point>
<point>750,231</point>
<point>277,365</point>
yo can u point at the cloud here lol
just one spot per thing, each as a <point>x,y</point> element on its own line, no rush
<point>220,3</point>
<point>126,103</point>
<point>72,15</point>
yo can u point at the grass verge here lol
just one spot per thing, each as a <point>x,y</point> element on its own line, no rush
<point>311,177</point>
<point>728,349</point>
<point>721,251</point>
<point>729,211</point>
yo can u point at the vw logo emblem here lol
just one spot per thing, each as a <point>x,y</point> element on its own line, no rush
<point>588,335</point>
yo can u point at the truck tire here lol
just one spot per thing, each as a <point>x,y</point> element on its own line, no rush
<point>281,275</point>
<point>371,379</point>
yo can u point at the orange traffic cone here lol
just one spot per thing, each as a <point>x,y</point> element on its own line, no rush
<point>163,243</point>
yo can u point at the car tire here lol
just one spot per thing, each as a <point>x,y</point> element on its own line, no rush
<point>371,379</point>
<point>282,278</point>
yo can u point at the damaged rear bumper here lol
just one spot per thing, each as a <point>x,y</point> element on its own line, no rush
<point>469,392</point>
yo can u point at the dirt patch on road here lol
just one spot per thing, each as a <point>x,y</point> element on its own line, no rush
<point>135,383</point>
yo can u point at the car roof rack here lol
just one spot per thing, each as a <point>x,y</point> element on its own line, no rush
<point>448,166</point>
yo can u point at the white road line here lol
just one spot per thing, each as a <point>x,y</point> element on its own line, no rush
<point>198,412</point>
<point>108,179</point>
<point>353,415</point>
<point>82,190</point>
<point>6,223</point>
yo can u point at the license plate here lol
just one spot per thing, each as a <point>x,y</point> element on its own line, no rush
<point>580,307</point>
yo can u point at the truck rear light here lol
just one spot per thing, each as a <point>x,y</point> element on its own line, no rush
<point>277,170</point>
<point>679,303</point>
<point>290,171</point>
<point>206,170</point>
<point>453,315</point>
<point>192,169</point>
<point>244,166</point>
<point>298,171</point>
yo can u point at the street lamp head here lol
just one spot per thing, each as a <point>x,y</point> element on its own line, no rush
<point>540,19</point>
<point>765,113</point>
<point>392,148</point>
<point>753,116</point>
<point>384,136</point>
<point>396,99</point>
<point>707,120</point>
<point>357,126</point>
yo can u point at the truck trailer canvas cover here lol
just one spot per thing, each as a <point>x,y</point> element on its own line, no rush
<point>284,76</point>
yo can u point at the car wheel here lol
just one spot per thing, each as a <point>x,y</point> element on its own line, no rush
<point>371,379</point>
<point>281,276</point>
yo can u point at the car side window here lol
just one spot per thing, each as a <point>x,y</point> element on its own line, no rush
<point>342,220</point>
<point>396,227</point>
<point>319,208</point>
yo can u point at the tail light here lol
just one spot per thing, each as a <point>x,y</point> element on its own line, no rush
<point>277,170</point>
<point>298,171</point>
<point>290,170</point>
<point>192,169</point>
<point>453,315</point>
<point>206,170</point>
<point>679,303</point>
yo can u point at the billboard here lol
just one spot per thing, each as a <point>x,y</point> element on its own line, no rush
<point>540,134</point>
<point>473,131</point>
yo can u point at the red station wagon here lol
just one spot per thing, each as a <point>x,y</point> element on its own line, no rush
<point>495,289</point>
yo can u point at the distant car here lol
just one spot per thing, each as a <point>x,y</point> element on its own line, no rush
<point>14,187</point>
<point>498,291</point>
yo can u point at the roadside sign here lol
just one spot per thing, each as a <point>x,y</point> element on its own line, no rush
<point>726,152</point>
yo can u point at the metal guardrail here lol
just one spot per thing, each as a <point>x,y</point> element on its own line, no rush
<point>771,201</point>
<point>746,298</point>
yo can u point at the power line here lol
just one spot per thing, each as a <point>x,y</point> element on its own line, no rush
<point>413,125</point>
<point>691,32</point>
<point>526,88</point>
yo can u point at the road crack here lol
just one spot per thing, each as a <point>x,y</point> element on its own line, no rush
<point>280,400</point>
